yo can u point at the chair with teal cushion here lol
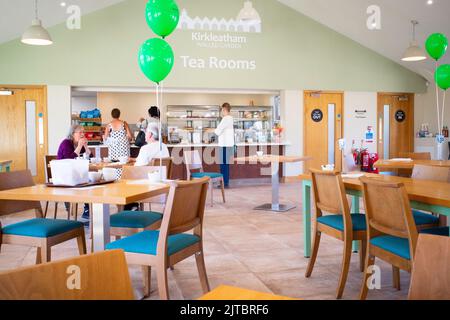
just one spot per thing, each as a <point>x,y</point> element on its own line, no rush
<point>330,198</point>
<point>425,220</point>
<point>193,161</point>
<point>175,240</point>
<point>391,228</point>
<point>38,232</point>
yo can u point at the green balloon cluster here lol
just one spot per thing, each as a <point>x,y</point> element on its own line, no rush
<point>436,45</point>
<point>156,57</point>
<point>442,76</point>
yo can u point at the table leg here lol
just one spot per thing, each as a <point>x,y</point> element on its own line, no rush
<point>100,225</point>
<point>306,198</point>
<point>355,209</point>
<point>275,205</point>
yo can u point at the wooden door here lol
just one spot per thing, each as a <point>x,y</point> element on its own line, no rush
<point>24,144</point>
<point>397,136</point>
<point>323,128</point>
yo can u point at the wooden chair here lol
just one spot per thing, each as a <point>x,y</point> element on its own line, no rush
<point>39,232</point>
<point>171,244</point>
<point>99,276</point>
<point>430,279</point>
<point>166,162</point>
<point>391,228</point>
<point>48,176</point>
<point>413,156</point>
<point>193,161</point>
<point>330,197</point>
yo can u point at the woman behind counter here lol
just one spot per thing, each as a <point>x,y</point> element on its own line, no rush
<point>225,132</point>
<point>74,146</point>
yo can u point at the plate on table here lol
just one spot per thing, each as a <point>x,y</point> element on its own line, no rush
<point>89,184</point>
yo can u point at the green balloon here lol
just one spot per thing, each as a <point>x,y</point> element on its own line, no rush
<point>156,59</point>
<point>162,16</point>
<point>436,45</point>
<point>442,76</point>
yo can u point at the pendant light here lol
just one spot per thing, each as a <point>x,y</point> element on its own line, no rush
<point>414,52</point>
<point>248,13</point>
<point>36,34</point>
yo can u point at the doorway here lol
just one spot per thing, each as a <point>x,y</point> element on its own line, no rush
<point>323,128</point>
<point>395,124</point>
<point>23,129</point>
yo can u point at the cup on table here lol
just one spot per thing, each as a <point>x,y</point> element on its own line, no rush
<point>123,160</point>
<point>259,153</point>
<point>107,160</point>
<point>94,176</point>
<point>109,174</point>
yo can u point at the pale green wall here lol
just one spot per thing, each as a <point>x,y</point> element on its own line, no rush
<point>293,52</point>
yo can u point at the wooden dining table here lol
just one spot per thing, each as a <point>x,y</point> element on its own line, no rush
<point>274,161</point>
<point>121,192</point>
<point>389,164</point>
<point>431,196</point>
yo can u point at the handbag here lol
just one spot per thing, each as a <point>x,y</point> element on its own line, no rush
<point>140,139</point>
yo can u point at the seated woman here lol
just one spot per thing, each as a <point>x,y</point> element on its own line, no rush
<point>152,149</point>
<point>71,148</point>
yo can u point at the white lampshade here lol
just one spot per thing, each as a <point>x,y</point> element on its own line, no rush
<point>248,13</point>
<point>414,53</point>
<point>36,35</point>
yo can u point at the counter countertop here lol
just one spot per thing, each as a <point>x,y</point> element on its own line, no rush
<point>238,144</point>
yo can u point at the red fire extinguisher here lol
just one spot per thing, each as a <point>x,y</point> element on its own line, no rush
<point>373,158</point>
<point>365,160</point>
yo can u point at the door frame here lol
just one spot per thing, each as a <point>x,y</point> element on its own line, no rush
<point>341,93</point>
<point>409,119</point>
<point>41,107</point>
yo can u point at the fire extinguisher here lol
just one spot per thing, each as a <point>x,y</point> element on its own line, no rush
<point>365,160</point>
<point>372,160</point>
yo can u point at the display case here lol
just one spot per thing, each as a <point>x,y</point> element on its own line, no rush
<point>253,124</point>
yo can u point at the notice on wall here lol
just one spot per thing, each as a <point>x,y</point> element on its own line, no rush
<point>369,135</point>
<point>400,115</point>
<point>360,113</point>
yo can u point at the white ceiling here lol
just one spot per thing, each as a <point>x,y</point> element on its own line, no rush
<point>16,15</point>
<point>349,17</point>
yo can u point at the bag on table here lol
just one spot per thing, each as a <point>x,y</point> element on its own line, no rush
<point>69,172</point>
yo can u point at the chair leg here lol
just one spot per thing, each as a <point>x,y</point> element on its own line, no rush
<point>362,254</point>
<point>46,209</point>
<point>199,259</point>
<point>211,192</point>
<point>56,210</point>
<point>223,190</point>
<point>370,261</point>
<point>75,213</point>
<point>315,249</point>
<point>81,240</point>
<point>46,253</point>
<point>163,287</point>
<point>38,255</point>
<point>396,278</point>
<point>345,266</point>
<point>147,276</point>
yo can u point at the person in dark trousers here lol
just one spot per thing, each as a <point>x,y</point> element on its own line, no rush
<point>225,132</point>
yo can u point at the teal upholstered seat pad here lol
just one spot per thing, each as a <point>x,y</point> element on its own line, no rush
<point>422,218</point>
<point>211,175</point>
<point>336,221</point>
<point>400,246</point>
<point>146,242</point>
<point>134,219</point>
<point>41,228</point>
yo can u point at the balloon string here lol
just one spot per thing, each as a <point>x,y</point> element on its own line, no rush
<point>443,108</point>
<point>437,105</point>
<point>160,132</point>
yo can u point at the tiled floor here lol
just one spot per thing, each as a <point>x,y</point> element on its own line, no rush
<point>251,249</point>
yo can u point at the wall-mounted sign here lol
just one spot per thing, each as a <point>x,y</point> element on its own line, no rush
<point>400,115</point>
<point>317,115</point>
<point>360,113</point>
<point>369,135</point>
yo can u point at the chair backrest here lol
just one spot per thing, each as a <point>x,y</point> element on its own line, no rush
<point>14,180</point>
<point>430,278</point>
<point>193,161</point>
<point>99,276</point>
<point>423,172</point>
<point>184,209</point>
<point>139,173</point>
<point>388,210</point>
<point>48,170</point>
<point>330,196</point>
<point>166,162</point>
<point>416,155</point>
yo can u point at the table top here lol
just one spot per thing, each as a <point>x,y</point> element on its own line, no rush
<point>5,162</point>
<point>114,165</point>
<point>425,191</point>
<point>121,192</point>
<point>269,158</point>
<point>394,164</point>
<point>234,293</point>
